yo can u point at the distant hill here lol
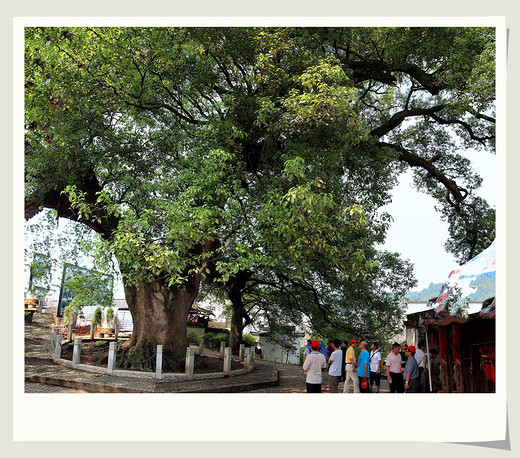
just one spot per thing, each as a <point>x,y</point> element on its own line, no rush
<point>485,288</point>
<point>427,293</point>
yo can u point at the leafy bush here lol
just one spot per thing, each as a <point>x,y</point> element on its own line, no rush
<point>110,316</point>
<point>98,316</point>
<point>101,343</point>
<point>248,339</point>
<point>193,338</point>
<point>70,313</point>
<point>211,340</point>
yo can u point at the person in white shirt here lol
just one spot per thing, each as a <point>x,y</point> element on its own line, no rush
<point>375,367</point>
<point>335,361</point>
<point>420,355</point>
<point>313,365</point>
<point>421,358</point>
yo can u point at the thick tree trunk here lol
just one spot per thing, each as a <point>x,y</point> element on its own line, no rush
<point>237,326</point>
<point>235,293</point>
<point>159,318</point>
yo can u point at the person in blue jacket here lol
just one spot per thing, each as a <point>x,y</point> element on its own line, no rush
<point>323,350</point>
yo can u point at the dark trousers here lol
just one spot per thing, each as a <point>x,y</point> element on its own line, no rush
<point>361,389</point>
<point>375,378</point>
<point>333,383</point>
<point>343,373</point>
<point>397,385</point>
<point>414,386</point>
<point>313,387</point>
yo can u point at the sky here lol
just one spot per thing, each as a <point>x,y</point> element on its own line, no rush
<point>418,232</point>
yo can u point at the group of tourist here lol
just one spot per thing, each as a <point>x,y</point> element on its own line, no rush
<point>405,370</point>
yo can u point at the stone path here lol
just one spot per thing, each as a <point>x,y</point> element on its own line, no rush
<point>31,387</point>
<point>42,375</point>
<point>292,380</point>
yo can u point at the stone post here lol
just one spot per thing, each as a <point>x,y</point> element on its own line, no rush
<point>76,354</point>
<point>69,332</point>
<point>158,363</point>
<point>247,357</point>
<point>253,348</point>
<point>227,360</point>
<point>222,347</point>
<point>53,337</point>
<point>112,346</point>
<point>92,329</point>
<point>201,346</point>
<point>116,331</point>
<point>57,350</point>
<point>241,352</point>
<point>190,362</point>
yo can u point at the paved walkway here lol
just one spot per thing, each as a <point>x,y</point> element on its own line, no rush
<point>42,375</point>
<point>292,380</point>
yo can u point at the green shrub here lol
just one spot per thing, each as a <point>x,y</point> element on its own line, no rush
<point>193,338</point>
<point>98,316</point>
<point>248,339</point>
<point>210,340</point>
<point>70,313</point>
<point>110,316</point>
<point>101,343</point>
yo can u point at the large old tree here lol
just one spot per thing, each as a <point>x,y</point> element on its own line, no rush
<point>243,155</point>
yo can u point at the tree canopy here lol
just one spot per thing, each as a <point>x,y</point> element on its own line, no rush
<point>258,153</point>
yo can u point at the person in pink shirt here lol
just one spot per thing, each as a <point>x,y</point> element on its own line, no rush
<point>394,371</point>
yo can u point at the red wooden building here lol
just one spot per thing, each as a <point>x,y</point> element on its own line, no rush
<point>466,347</point>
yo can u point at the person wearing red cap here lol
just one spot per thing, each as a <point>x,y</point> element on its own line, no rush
<point>411,371</point>
<point>350,368</point>
<point>313,365</point>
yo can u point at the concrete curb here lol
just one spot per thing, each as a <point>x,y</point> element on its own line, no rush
<point>84,386</point>
<point>160,386</point>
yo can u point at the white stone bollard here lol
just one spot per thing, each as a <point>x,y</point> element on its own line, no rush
<point>241,352</point>
<point>158,363</point>
<point>53,340</point>
<point>227,360</point>
<point>222,347</point>
<point>57,350</point>
<point>190,362</point>
<point>112,346</point>
<point>247,357</point>
<point>201,346</point>
<point>76,354</point>
<point>69,332</point>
